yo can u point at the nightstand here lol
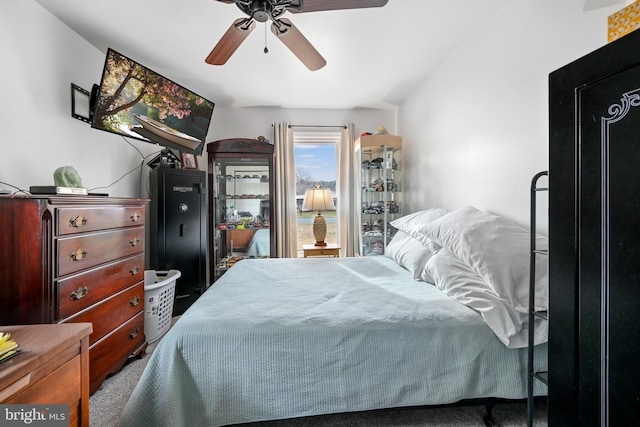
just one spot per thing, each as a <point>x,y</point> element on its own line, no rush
<point>330,250</point>
<point>53,368</point>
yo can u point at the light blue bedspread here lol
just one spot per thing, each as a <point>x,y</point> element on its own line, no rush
<point>260,245</point>
<point>280,338</point>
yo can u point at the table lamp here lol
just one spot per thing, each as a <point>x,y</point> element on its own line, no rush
<point>318,199</point>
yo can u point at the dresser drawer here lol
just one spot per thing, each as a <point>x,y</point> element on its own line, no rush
<point>83,252</point>
<point>67,389</point>
<point>105,357</point>
<point>75,293</point>
<point>112,312</point>
<point>83,219</point>
<point>53,368</point>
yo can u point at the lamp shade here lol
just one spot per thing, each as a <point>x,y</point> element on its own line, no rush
<point>318,199</point>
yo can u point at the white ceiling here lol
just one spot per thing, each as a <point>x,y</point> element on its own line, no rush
<point>375,57</point>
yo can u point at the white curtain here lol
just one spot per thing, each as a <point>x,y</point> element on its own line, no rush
<point>285,197</point>
<point>349,197</point>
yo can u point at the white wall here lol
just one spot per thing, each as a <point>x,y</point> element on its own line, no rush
<point>41,58</point>
<point>229,122</point>
<point>477,129</point>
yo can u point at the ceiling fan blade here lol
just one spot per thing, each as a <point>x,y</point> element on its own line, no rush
<point>298,44</point>
<point>230,41</point>
<point>298,6</point>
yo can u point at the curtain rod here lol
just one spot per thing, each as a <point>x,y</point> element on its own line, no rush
<point>318,126</point>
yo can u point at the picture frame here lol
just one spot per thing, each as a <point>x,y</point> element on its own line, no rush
<point>188,160</point>
<point>80,103</point>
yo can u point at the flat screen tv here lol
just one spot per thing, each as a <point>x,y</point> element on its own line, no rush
<point>136,102</point>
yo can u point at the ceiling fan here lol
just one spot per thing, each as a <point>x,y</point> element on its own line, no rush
<point>264,10</point>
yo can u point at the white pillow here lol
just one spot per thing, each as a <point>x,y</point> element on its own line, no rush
<point>462,284</point>
<point>411,224</point>
<point>496,249</point>
<point>409,253</point>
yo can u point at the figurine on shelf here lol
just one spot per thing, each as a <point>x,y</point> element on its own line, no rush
<point>382,130</point>
<point>376,184</point>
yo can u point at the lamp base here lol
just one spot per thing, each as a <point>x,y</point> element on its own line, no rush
<point>319,230</point>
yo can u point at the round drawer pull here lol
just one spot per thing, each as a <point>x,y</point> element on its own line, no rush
<point>136,217</point>
<point>134,301</point>
<point>135,241</point>
<point>135,270</point>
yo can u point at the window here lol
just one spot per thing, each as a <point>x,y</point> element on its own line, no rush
<point>315,157</point>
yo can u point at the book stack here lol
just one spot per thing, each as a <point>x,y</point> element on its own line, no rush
<point>8,347</point>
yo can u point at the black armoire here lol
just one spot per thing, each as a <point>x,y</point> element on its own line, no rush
<point>177,240</point>
<point>594,238</point>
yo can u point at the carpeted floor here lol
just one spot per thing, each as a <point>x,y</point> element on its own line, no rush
<point>107,403</point>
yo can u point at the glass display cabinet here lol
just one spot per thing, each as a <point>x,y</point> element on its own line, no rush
<point>381,195</point>
<point>241,208</point>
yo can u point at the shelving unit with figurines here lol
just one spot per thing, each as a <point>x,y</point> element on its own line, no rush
<point>381,189</point>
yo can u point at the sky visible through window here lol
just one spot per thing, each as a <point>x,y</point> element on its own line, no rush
<point>318,160</point>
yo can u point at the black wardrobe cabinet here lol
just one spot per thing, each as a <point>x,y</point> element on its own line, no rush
<point>594,238</point>
<point>178,238</point>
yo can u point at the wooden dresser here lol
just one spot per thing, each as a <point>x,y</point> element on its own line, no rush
<point>76,259</point>
<point>52,368</point>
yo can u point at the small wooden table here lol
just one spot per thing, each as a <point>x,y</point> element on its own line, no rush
<point>330,250</point>
<point>52,368</point>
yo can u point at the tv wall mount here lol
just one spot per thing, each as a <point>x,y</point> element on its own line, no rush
<point>80,103</point>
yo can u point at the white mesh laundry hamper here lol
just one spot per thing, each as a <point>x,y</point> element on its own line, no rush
<point>159,290</point>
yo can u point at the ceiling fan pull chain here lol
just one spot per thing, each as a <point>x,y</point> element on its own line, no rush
<point>265,38</point>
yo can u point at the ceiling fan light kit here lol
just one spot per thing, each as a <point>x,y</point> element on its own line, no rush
<point>285,31</point>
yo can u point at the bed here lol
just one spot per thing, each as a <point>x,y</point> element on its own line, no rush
<point>259,246</point>
<point>283,338</point>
